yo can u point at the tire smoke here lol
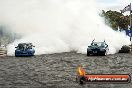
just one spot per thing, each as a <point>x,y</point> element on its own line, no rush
<point>56,26</point>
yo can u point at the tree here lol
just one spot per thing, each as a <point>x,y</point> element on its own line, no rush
<point>116,19</point>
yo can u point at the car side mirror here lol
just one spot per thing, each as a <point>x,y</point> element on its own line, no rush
<point>106,45</point>
<point>15,47</point>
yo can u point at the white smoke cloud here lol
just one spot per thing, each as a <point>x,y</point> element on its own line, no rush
<point>115,5</point>
<point>56,26</point>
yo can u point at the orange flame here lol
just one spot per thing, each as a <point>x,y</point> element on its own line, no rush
<point>81,71</point>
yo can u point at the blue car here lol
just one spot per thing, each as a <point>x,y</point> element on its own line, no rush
<point>24,49</point>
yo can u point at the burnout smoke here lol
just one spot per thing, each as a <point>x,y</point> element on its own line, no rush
<point>56,26</point>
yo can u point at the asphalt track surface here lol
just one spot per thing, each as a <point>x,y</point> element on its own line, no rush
<point>59,70</point>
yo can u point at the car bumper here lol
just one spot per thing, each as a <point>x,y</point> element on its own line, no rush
<point>24,54</point>
<point>95,51</point>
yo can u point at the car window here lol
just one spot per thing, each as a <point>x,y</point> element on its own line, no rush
<point>99,44</point>
<point>20,46</point>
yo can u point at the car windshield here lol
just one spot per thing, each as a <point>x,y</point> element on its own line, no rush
<point>21,46</point>
<point>99,44</point>
<point>29,46</point>
<point>24,46</point>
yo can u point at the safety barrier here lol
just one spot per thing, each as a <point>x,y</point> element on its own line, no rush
<point>130,47</point>
<point>3,52</point>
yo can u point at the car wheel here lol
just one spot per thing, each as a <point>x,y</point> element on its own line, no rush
<point>15,55</point>
<point>88,54</point>
<point>105,53</point>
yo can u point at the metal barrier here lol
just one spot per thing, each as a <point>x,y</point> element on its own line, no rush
<point>3,52</point>
<point>130,47</point>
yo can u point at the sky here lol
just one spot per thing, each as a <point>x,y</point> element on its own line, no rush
<point>116,5</point>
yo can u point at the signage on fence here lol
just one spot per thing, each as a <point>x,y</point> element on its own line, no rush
<point>129,33</point>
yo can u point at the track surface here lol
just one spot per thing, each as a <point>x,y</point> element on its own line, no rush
<point>59,70</point>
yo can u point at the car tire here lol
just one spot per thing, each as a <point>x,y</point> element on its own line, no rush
<point>88,54</point>
<point>104,53</point>
<point>15,55</point>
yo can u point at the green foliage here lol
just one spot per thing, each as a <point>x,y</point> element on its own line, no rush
<point>116,19</point>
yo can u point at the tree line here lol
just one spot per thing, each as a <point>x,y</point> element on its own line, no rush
<point>116,19</point>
